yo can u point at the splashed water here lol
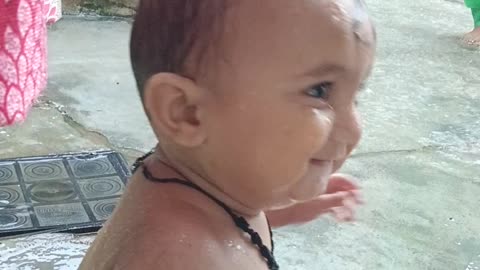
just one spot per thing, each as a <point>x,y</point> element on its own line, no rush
<point>50,251</point>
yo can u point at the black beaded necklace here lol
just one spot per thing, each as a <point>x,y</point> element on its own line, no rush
<point>239,221</point>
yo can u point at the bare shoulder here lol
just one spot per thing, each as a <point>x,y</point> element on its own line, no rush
<point>185,240</point>
<point>170,228</point>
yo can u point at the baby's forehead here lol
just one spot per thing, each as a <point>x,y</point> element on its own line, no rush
<point>293,31</point>
<point>342,12</point>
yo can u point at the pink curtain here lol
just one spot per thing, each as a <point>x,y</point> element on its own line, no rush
<point>23,68</point>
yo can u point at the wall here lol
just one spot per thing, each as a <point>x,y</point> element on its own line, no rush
<point>100,7</point>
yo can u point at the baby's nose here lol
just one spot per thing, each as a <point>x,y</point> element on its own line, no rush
<point>347,128</point>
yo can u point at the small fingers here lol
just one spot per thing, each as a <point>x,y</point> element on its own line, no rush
<point>342,214</point>
<point>341,182</point>
<point>357,196</point>
<point>327,201</point>
<point>346,212</point>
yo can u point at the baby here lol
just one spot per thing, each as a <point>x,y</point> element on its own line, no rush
<point>254,106</point>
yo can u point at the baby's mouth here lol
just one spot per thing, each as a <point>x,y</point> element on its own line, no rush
<point>323,167</point>
<point>321,163</point>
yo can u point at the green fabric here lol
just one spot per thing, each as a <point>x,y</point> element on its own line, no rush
<point>476,16</point>
<point>472,3</point>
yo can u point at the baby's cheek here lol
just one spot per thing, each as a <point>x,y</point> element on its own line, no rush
<point>322,126</point>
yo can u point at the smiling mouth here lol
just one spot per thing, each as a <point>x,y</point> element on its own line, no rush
<point>319,162</point>
<point>322,169</point>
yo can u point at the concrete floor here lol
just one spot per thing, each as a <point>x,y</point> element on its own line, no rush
<point>419,161</point>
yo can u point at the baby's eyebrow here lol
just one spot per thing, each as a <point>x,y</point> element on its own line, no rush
<point>323,70</point>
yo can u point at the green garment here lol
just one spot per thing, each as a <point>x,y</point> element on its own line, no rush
<point>472,3</point>
<point>476,16</point>
<point>475,6</point>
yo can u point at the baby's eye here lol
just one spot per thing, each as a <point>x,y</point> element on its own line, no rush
<point>321,90</point>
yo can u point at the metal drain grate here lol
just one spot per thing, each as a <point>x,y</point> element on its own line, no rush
<point>69,193</point>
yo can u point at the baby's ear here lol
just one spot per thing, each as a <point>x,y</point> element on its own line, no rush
<point>173,104</point>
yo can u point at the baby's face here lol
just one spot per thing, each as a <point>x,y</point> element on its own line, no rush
<point>282,116</point>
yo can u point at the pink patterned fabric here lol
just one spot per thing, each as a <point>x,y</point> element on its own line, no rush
<point>52,11</point>
<point>23,68</point>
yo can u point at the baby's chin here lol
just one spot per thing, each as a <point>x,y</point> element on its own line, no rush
<point>305,190</point>
<point>312,184</point>
<point>308,190</point>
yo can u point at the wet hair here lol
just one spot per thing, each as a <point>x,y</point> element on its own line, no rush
<point>166,32</point>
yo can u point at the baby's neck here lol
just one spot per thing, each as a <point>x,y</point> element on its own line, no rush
<point>160,166</point>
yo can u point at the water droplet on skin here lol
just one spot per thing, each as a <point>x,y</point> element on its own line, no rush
<point>238,247</point>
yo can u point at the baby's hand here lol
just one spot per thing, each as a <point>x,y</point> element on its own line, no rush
<point>340,199</point>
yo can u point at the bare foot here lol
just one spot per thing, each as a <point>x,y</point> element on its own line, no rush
<point>472,38</point>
